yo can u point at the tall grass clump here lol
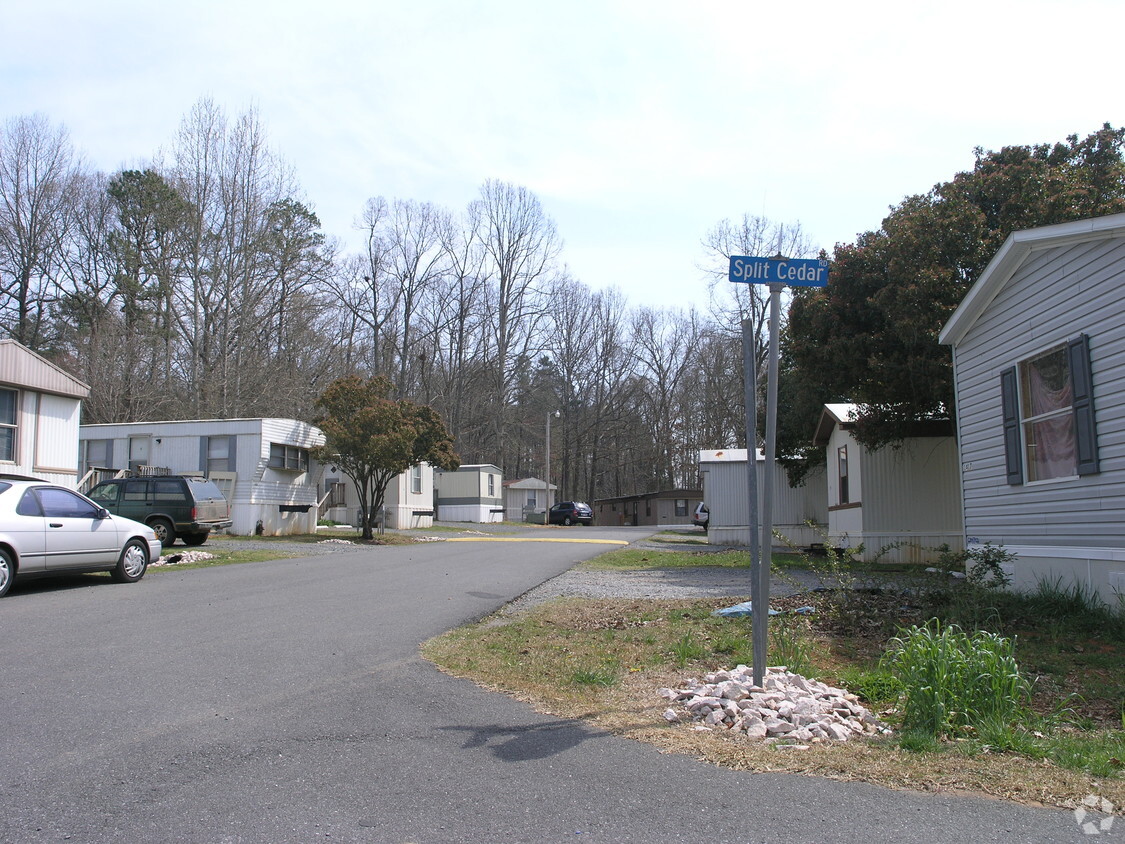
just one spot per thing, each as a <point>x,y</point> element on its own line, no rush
<point>790,645</point>
<point>952,680</point>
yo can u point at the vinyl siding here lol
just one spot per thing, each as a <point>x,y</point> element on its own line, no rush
<point>725,490</point>
<point>912,489</point>
<point>1055,295</point>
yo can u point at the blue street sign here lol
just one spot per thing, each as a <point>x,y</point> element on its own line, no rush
<point>796,272</point>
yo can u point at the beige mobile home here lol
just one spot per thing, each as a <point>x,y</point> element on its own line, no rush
<point>900,504</point>
<point>40,410</point>
<point>527,497</point>
<point>473,493</point>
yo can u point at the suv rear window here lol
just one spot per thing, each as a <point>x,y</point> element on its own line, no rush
<point>205,490</point>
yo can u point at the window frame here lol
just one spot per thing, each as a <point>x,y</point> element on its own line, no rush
<point>1016,415</point>
<point>11,442</point>
<point>288,458</point>
<point>211,463</point>
<point>843,488</point>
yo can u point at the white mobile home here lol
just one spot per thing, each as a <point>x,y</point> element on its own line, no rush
<point>900,503</point>
<point>474,493</point>
<point>799,512</point>
<point>527,496</point>
<point>1039,378</point>
<point>407,503</point>
<point>263,466</point>
<point>40,412</point>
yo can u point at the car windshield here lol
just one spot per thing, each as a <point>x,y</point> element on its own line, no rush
<point>104,493</point>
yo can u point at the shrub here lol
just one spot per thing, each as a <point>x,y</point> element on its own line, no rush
<point>952,680</point>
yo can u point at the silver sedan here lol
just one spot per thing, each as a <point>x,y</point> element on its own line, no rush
<point>47,529</point>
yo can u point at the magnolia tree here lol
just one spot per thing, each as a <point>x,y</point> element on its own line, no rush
<point>373,437</point>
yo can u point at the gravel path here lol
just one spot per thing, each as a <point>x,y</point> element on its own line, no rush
<point>700,582</point>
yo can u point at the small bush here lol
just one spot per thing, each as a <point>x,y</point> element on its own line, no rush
<point>952,680</point>
<point>984,566</point>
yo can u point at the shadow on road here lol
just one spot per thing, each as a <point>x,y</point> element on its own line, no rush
<point>520,744</point>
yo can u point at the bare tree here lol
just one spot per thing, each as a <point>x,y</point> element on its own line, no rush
<point>230,180</point>
<point>731,304</point>
<point>417,261</point>
<point>522,244</point>
<point>38,176</point>
<point>457,323</point>
<point>665,345</point>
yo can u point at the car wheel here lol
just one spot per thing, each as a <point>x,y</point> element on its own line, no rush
<point>7,572</point>
<point>164,532</point>
<point>567,521</point>
<point>195,538</point>
<point>132,563</point>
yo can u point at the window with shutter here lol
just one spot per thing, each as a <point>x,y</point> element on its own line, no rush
<point>1048,415</point>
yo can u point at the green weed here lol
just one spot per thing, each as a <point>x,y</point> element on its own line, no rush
<point>952,680</point>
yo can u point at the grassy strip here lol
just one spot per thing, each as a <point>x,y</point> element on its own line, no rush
<point>227,550</point>
<point>603,660</point>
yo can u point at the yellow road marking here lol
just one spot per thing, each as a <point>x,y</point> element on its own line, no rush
<point>533,539</point>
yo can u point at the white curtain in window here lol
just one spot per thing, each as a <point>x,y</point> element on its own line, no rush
<point>1050,440</point>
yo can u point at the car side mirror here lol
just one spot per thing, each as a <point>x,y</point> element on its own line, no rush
<point>103,513</point>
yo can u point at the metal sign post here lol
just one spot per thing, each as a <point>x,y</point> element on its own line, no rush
<point>750,381</point>
<point>776,272</point>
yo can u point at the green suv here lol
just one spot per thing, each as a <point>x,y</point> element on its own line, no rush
<point>173,506</point>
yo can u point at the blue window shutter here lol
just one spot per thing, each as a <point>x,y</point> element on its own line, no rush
<point>232,453</point>
<point>203,455</point>
<point>1085,427</point>
<point>1009,401</point>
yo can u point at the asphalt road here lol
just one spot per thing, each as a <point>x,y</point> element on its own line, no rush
<point>286,702</point>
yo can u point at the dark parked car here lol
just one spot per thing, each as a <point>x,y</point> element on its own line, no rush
<point>47,529</point>
<point>701,516</point>
<point>172,505</point>
<point>569,513</point>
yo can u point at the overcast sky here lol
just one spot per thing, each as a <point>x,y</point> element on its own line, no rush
<point>639,125</point>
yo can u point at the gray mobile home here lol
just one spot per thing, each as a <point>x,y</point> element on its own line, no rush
<point>1039,378</point>
<point>799,512</point>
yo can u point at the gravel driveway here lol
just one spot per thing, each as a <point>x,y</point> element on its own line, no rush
<point>697,582</point>
<point>704,582</point>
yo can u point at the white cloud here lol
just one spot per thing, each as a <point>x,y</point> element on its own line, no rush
<point>639,124</point>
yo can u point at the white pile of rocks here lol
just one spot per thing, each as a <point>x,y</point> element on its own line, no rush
<point>786,706</point>
<point>184,557</point>
<point>335,542</point>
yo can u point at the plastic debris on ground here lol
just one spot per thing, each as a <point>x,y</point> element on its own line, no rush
<point>746,609</point>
